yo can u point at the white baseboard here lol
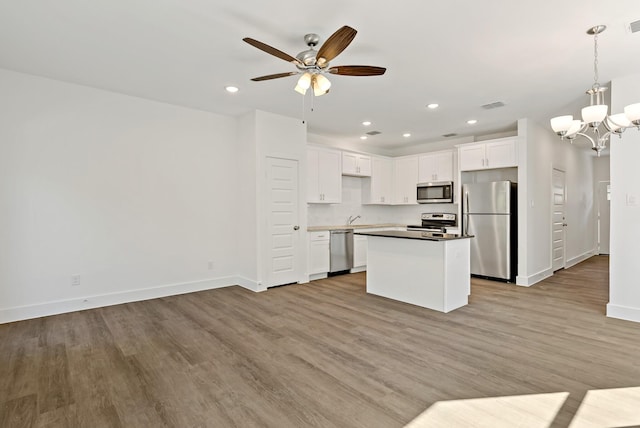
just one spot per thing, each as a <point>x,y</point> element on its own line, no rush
<point>528,281</point>
<point>582,257</point>
<point>90,302</point>
<point>249,284</point>
<point>358,269</point>
<point>623,312</point>
<point>315,276</point>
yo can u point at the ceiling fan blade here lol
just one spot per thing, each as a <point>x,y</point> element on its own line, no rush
<point>274,76</point>
<point>357,70</point>
<point>335,44</point>
<point>273,51</point>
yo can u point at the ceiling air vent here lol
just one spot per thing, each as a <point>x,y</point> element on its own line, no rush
<point>374,132</point>
<point>493,105</point>
<point>634,26</point>
<point>453,134</point>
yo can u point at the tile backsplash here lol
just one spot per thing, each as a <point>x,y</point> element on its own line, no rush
<point>338,214</point>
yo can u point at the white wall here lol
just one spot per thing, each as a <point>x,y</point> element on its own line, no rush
<point>602,167</point>
<point>129,194</point>
<point>544,152</point>
<point>246,207</point>
<point>624,293</point>
<point>285,138</point>
<point>262,135</point>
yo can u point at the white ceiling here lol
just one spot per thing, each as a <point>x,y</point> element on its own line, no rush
<point>535,57</point>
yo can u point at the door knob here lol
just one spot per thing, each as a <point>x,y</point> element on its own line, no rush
<point>296,227</point>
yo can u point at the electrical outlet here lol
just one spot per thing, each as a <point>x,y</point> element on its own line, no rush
<point>75,280</point>
<point>211,265</point>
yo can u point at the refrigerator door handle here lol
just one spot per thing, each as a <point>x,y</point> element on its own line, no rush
<point>466,212</point>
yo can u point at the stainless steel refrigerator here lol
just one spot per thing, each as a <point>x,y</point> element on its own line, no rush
<point>489,212</point>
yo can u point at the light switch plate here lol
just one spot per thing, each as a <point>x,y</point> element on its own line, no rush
<point>632,200</point>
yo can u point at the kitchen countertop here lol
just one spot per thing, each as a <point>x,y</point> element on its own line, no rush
<point>413,234</point>
<point>353,226</point>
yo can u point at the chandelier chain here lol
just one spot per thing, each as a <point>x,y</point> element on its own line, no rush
<point>595,59</point>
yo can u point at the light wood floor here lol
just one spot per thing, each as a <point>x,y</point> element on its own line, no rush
<point>321,354</point>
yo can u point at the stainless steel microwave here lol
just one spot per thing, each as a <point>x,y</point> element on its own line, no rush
<point>435,193</point>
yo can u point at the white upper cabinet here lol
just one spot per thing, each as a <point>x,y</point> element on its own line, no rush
<point>436,166</point>
<point>405,180</point>
<point>500,153</point>
<point>356,164</point>
<point>324,176</point>
<point>377,189</point>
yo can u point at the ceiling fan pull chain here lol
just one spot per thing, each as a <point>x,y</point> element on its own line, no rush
<point>303,110</point>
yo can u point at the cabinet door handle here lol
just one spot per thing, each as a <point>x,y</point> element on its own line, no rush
<point>296,227</point>
<point>487,162</point>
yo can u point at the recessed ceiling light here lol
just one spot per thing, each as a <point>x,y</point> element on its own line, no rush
<point>406,135</point>
<point>366,123</point>
<point>472,122</point>
<point>232,89</point>
<point>432,106</point>
<point>364,137</point>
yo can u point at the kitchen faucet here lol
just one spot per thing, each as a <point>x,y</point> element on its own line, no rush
<point>351,220</point>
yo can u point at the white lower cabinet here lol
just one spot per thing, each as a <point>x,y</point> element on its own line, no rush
<point>359,251</point>
<point>319,253</point>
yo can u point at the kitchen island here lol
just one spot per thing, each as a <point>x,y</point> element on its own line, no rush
<point>427,269</point>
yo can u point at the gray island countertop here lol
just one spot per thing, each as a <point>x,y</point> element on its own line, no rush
<point>415,234</point>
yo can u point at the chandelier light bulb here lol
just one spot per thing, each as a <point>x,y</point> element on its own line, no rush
<point>561,124</point>
<point>618,122</point>
<point>593,115</point>
<point>632,111</point>
<point>574,128</point>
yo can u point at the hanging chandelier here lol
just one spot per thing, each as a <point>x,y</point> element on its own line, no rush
<point>595,120</point>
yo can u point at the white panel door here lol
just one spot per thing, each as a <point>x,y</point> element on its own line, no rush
<point>604,214</point>
<point>282,221</point>
<point>558,190</point>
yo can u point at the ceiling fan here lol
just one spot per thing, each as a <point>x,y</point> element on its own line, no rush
<point>313,65</point>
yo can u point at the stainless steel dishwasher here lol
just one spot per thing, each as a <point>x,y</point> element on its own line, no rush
<point>341,245</point>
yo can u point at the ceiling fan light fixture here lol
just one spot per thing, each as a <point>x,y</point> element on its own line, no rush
<point>320,84</point>
<point>312,64</point>
<point>304,82</point>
